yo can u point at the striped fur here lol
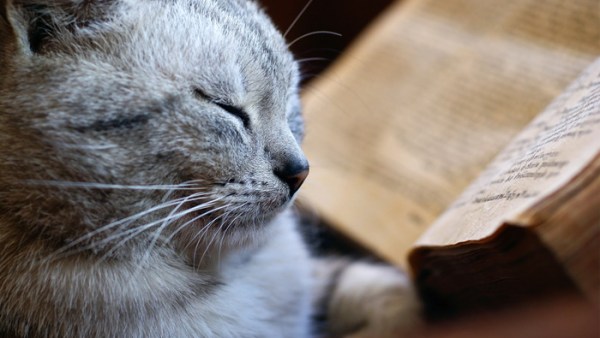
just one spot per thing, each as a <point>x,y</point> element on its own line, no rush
<point>137,189</point>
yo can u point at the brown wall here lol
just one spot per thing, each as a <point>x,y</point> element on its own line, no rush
<point>347,17</point>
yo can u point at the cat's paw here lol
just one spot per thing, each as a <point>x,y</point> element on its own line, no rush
<point>372,300</point>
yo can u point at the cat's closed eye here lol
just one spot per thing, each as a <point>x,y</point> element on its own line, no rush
<point>233,110</point>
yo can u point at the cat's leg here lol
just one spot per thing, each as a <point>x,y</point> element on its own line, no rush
<point>362,298</point>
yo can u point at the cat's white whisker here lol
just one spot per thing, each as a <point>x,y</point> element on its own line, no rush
<point>198,237</point>
<point>123,221</point>
<point>311,34</point>
<point>229,224</point>
<point>180,228</point>
<point>297,18</point>
<point>157,233</point>
<point>172,217</point>
<point>217,232</point>
<point>89,146</point>
<point>311,59</point>
<point>134,232</point>
<point>221,237</point>
<point>93,185</point>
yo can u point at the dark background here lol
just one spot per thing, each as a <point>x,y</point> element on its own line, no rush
<point>346,17</point>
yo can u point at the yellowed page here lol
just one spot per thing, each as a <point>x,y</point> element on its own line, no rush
<point>429,95</point>
<point>554,150</point>
<point>542,196</point>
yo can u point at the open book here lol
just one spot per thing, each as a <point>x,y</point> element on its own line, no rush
<point>445,141</point>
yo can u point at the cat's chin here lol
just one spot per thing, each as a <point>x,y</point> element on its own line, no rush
<point>218,243</point>
<point>213,238</point>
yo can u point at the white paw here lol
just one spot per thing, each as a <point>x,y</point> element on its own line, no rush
<point>372,299</point>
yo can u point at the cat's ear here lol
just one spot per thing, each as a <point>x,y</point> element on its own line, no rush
<point>28,26</point>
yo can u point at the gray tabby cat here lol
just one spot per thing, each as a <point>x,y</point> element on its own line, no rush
<point>149,150</point>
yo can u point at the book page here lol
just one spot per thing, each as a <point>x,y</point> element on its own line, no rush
<point>422,103</point>
<point>560,146</point>
<point>529,225</point>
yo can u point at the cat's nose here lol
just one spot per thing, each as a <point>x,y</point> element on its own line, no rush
<point>293,173</point>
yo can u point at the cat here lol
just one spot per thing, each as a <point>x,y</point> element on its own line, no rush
<point>150,150</point>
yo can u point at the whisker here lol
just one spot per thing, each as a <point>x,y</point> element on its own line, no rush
<point>67,184</point>
<point>201,233</point>
<point>180,228</point>
<point>224,232</point>
<point>311,59</point>
<point>126,220</point>
<point>216,233</point>
<point>209,243</point>
<point>138,230</point>
<point>89,146</point>
<point>297,18</point>
<point>168,220</point>
<point>311,34</point>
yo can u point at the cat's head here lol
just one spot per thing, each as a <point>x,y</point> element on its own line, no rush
<point>182,115</point>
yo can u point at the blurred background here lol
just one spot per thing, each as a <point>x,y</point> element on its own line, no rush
<point>344,17</point>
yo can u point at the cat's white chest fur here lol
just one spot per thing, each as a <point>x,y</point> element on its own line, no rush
<point>266,295</point>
